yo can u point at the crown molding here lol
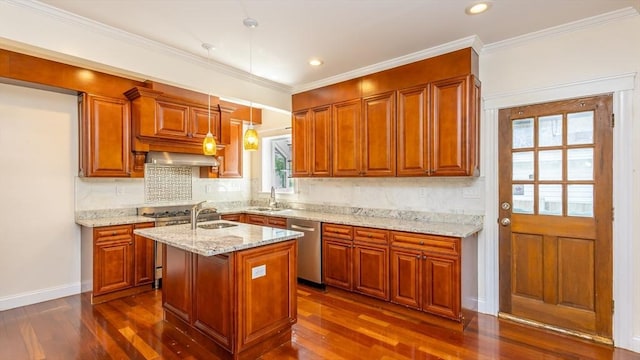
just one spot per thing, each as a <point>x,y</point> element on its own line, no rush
<point>564,28</point>
<point>140,41</point>
<point>470,41</point>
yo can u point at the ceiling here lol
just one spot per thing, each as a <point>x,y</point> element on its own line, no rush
<point>346,34</point>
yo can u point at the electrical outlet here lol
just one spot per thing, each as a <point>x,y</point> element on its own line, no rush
<point>119,190</point>
<point>208,189</point>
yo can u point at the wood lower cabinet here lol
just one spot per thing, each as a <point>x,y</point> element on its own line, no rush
<point>433,274</point>
<point>104,129</point>
<point>356,259</point>
<point>239,217</point>
<point>115,261</point>
<point>426,274</point>
<point>264,220</point>
<point>238,304</point>
<point>143,257</point>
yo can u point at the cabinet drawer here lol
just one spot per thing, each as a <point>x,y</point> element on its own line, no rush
<point>334,231</point>
<point>232,217</point>
<point>371,235</point>
<point>255,219</point>
<point>112,233</point>
<point>430,243</point>
<point>277,222</point>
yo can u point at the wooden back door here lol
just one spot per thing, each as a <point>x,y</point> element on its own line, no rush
<point>556,214</point>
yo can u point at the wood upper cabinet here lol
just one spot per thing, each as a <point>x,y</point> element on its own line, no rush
<point>379,135</point>
<point>184,123</point>
<point>311,139</point>
<point>438,128</point>
<point>413,132</point>
<point>104,136</point>
<point>454,127</point>
<point>143,257</point>
<point>231,159</point>
<point>363,133</point>
<point>346,132</point>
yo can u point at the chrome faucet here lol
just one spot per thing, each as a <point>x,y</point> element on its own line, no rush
<point>272,199</point>
<point>195,211</point>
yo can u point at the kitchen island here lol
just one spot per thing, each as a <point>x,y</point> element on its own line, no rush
<point>231,289</point>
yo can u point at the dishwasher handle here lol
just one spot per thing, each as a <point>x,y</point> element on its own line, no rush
<point>302,228</point>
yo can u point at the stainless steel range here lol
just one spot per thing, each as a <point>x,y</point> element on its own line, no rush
<point>172,215</point>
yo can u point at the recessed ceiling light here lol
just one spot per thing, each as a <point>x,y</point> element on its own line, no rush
<point>315,62</point>
<point>477,8</point>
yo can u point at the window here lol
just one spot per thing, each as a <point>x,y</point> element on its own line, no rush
<point>276,160</point>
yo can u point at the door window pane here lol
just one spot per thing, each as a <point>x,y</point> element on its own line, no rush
<point>580,164</point>
<point>522,198</point>
<point>550,165</point>
<point>550,130</point>
<point>550,199</point>
<point>580,200</point>
<point>523,165</point>
<point>580,128</point>
<point>522,133</point>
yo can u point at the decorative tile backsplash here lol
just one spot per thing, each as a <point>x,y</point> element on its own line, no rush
<point>166,183</point>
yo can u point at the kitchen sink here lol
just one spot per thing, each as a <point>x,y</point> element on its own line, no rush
<point>216,225</point>
<point>267,209</point>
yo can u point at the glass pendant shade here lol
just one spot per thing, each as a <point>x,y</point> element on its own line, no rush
<point>251,139</point>
<point>209,146</point>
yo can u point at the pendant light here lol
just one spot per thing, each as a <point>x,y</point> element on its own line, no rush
<point>250,140</point>
<point>209,146</point>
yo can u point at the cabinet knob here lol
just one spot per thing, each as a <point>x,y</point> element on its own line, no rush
<point>421,242</point>
<point>418,257</point>
<point>131,243</point>
<point>113,233</point>
<point>424,257</point>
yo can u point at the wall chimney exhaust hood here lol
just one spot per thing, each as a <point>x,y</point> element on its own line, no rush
<point>180,159</point>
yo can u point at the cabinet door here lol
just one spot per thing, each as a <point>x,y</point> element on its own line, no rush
<point>320,144</point>
<point>112,259</point>
<point>172,120</point>
<point>300,143</point>
<point>449,127</point>
<point>371,270</point>
<point>406,277</point>
<point>143,257</point>
<point>346,138</point>
<point>104,136</point>
<point>442,286</point>
<point>212,303</point>
<point>176,283</point>
<point>379,135</point>
<point>413,111</point>
<point>231,164</point>
<point>336,263</point>
<point>266,288</point>
<point>199,123</point>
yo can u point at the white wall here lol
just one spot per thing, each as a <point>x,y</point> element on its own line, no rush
<point>40,243</point>
<point>600,58</point>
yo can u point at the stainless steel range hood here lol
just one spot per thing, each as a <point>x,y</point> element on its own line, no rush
<point>180,159</point>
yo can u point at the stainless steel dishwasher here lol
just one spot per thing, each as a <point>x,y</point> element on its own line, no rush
<point>309,250</point>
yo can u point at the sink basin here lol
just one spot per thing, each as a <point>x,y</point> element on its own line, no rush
<point>267,209</point>
<point>216,225</point>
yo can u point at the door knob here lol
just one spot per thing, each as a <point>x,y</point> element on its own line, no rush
<point>505,221</point>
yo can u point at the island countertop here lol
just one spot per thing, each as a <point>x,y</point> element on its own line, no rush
<point>209,242</point>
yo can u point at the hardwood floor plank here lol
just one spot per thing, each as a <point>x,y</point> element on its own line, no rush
<point>330,326</point>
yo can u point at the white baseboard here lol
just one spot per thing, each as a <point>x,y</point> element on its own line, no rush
<point>40,295</point>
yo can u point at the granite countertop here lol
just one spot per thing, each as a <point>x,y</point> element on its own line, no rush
<point>433,227</point>
<point>417,226</point>
<point>209,242</point>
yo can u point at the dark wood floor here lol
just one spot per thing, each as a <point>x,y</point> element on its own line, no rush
<point>330,326</point>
